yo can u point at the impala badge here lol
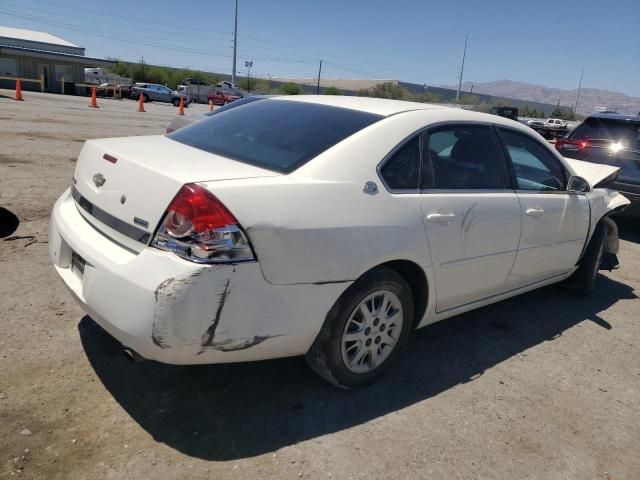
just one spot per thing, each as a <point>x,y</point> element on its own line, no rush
<point>99,180</point>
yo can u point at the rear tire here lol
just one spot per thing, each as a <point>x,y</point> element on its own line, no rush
<point>365,331</point>
<point>145,98</point>
<point>583,280</point>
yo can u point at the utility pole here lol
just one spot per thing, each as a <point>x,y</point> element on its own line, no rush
<point>235,45</point>
<point>319,72</point>
<point>464,53</point>
<point>248,65</point>
<point>575,107</point>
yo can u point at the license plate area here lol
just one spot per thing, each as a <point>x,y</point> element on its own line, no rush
<point>77,264</point>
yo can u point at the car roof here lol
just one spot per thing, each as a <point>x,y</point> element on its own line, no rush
<point>378,106</point>
<point>616,116</point>
<point>386,107</point>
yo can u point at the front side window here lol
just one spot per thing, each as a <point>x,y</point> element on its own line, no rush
<point>535,167</point>
<point>462,157</point>
<point>402,170</point>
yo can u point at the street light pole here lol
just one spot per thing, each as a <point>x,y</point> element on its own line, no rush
<point>319,72</point>
<point>248,64</point>
<point>464,53</point>
<point>235,45</point>
<point>575,107</point>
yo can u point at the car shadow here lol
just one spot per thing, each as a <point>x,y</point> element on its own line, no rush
<point>8,222</point>
<point>628,229</point>
<point>222,412</point>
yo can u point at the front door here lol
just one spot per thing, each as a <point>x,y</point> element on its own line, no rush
<point>555,222</point>
<point>472,221</point>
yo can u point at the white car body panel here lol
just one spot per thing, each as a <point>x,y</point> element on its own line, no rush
<point>554,231</point>
<point>314,232</point>
<point>464,247</point>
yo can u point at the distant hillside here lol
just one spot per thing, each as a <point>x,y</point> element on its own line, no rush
<point>590,98</point>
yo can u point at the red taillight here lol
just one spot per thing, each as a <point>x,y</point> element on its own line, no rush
<point>198,227</point>
<point>201,209</point>
<point>569,144</point>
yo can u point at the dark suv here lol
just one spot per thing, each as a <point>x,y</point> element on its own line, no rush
<point>611,139</point>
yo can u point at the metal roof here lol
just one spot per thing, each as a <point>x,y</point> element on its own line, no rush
<point>41,53</point>
<point>33,36</point>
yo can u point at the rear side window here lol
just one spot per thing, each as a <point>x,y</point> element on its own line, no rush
<point>535,167</point>
<point>462,157</point>
<point>279,135</point>
<point>402,170</point>
<point>594,128</point>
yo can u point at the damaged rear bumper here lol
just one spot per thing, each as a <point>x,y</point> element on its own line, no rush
<point>173,311</point>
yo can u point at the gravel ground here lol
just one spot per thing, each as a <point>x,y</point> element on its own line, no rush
<point>544,385</point>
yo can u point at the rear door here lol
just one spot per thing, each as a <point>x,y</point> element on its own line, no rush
<point>555,222</point>
<point>471,219</point>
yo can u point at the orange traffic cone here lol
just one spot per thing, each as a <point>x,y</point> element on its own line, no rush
<point>181,111</point>
<point>141,103</point>
<point>94,101</point>
<point>18,90</point>
<point>211,104</point>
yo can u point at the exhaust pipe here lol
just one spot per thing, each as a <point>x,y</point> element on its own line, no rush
<point>134,356</point>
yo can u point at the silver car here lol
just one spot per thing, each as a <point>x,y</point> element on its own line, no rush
<point>157,93</point>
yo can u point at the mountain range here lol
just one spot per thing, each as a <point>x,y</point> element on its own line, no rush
<point>590,98</point>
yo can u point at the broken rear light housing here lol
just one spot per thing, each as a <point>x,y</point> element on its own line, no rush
<point>198,227</point>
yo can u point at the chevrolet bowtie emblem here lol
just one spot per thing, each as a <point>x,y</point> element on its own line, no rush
<point>99,180</point>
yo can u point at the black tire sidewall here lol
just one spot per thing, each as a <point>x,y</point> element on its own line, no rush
<point>583,280</point>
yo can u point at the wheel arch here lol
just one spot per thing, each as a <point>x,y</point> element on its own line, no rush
<point>416,278</point>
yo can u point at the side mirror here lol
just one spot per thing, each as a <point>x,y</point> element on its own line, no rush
<point>578,184</point>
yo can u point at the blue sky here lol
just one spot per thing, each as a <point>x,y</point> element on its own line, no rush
<point>542,42</point>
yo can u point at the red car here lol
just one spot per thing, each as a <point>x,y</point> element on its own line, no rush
<point>222,97</point>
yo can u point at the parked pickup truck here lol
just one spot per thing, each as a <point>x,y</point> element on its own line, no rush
<point>555,123</point>
<point>552,128</point>
<point>199,92</point>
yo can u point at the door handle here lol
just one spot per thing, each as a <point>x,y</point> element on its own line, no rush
<point>443,218</point>
<point>535,212</point>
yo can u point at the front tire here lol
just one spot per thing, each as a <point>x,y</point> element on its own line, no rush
<point>365,331</point>
<point>583,280</point>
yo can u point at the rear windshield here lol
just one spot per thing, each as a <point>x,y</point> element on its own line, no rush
<point>279,135</point>
<point>593,128</point>
<point>229,106</point>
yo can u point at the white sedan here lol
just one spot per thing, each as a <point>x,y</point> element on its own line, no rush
<point>322,226</point>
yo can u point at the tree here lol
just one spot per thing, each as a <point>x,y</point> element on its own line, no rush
<point>332,91</point>
<point>469,99</point>
<point>290,88</point>
<point>428,97</point>
<point>386,90</point>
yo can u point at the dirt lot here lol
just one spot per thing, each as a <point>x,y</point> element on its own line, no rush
<point>545,385</point>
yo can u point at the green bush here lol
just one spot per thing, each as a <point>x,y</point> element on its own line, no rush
<point>290,88</point>
<point>332,91</point>
<point>142,72</point>
<point>386,90</point>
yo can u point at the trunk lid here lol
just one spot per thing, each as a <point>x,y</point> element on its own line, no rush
<point>123,186</point>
